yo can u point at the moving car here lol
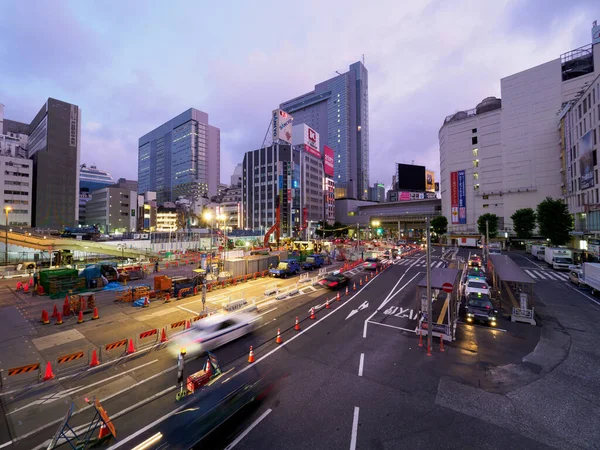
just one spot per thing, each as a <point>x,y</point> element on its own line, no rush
<point>334,280</point>
<point>576,277</point>
<point>213,332</point>
<point>481,309</point>
<point>477,287</point>
<point>476,274</point>
<point>372,264</point>
<point>313,262</point>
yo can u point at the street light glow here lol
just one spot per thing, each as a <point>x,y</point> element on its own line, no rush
<point>207,215</point>
<point>376,223</point>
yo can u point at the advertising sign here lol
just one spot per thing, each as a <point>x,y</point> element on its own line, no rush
<point>462,197</point>
<point>282,126</point>
<point>328,161</point>
<point>586,162</point>
<point>429,181</point>
<point>403,196</point>
<point>437,187</point>
<point>454,196</point>
<point>594,247</point>
<point>307,138</point>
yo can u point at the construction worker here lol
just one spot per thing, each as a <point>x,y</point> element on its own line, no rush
<point>156,267</point>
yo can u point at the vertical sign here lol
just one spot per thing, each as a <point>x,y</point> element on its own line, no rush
<point>454,196</point>
<point>282,126</point>
<point>73,126</point>
<point>586,162</point>
<point>462,197</point>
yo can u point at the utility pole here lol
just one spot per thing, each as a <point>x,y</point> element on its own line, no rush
<point>429,299</point>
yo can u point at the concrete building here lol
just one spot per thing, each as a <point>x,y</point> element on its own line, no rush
<point>231,206</point>
<point>377,193</point>
<point>504,155</point>
<point>146,212</point>
<point>113,208</point>
<point>181,158</point>
<point>236,177</point>
<point>54,147</point>
<point>271,178</point>
<point>312,194</point>
<point>166,219</point>
<point>90,179</point>
<point>338,109</point>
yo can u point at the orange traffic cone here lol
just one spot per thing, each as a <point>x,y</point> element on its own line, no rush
<point>59,319</point>
<point>55,311</point>
<point>278,340</point>
<point>346,290</point>
<point>297,326</point>
<point>428,350</point>
<point>372,275</point>
<point>80,317</point>
<point>360,281</point>
<point>49,374</point>
<point>163,336</point>
<point>188,325</point>
<point>94,362</point>
<point>103,431</point>
<point>26,288</point>
<point>420,339</point>
<point>312,313</point>
<point>168,298</point>
<point>327,304</point>
<point>146,302</point>
<point>251,356</point>
<point>337,297</point>
<point>45,320</point>
<point>441,343</point>
<point>30,281</point>
<point>130,347</point>
<point>95,315</point>
<point>208,368</point>
<point>355,285</point>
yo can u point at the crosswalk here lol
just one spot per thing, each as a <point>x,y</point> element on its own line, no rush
<point>546,275</point>
<point>421,263</point>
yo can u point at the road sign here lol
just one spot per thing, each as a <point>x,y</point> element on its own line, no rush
<point>447,287</point>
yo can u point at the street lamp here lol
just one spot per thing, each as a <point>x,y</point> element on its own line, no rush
<point>222,218</point>
<point>7,209</point>
<point>208,217</point>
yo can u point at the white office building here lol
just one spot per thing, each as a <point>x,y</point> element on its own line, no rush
<point>504,155</point>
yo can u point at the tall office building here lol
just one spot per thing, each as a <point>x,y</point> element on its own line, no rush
<point>505,155</point>
<point>338,109</point>
<point>90,179</point>
<point>181,158</point>
<point>113,208</point>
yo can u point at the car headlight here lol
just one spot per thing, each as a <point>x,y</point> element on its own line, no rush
<point>470,314</point>
<point>469,319</point>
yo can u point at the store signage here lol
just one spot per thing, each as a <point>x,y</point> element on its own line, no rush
<point>454,197</point>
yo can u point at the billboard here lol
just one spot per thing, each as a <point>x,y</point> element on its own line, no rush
<point>454,197</point>
<point>586,162</point>
<point>462,197</point>
<point>437,187</point>
<point>429,181</point>
<point>411,178</point>
<point>282,126</point>
<point>328,161</point>
<point>308,138</point>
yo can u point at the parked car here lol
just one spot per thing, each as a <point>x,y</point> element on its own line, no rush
<point>285,268</point>
<point>476,274</point>
<point>576,277</point>
<point>334,281</point>
<point>477,287</point>
<point>480,309</point>
<point>372,264</point>
<point>313,262</point>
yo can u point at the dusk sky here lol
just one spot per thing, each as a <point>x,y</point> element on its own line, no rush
<point>132,65</point>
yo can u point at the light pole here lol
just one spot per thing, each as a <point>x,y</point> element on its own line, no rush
<point>209,217</point>
<point>222,218</point>
<point>429,299</point>
<point>7,209</point>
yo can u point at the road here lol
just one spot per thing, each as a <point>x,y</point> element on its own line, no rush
<point>356,377</point>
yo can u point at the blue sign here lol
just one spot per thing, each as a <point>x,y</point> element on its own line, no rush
<point>462,197</point>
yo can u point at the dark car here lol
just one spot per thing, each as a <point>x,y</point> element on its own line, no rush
<point>481,309</point>
<point>372,264</point>
<point>334,281</point>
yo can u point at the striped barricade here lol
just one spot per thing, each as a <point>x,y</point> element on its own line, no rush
<point>181,323</point>
<point>147,337</point>
<point>32,369</point>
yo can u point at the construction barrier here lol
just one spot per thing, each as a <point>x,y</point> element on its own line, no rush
<point>148,333</point>
<point>181,323</point>
<point>201,316</point>
<point>23,369</point>
<point>68,358</point>
<point>116,344</point>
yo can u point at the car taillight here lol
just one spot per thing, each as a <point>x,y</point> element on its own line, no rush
<point>484,286</point>
<point>333,283</point>
<point>487,306</point>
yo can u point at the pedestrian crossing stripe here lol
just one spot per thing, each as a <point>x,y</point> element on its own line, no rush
<point>546,275</point>
<point>434,264</point>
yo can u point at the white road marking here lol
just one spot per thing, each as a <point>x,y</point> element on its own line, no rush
<point>533,262</point>
<point>361,364</point>
<point>530,273</point>
<point>392,326</point>
<point>188,310</point>
<point>354,429</point>
<point>248,430</point>
<point>360,308</point>
<point>585,295</point>
<point>542,275</point>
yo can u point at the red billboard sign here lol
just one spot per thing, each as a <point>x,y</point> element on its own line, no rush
<point>454,196</point>
<point>328,161</point>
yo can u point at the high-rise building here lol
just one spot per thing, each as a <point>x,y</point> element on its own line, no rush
<point>181,158</point>
<point>270,179</point>
<point>504,155</point>
<point>54,147</point>
<point>377,192</point>
<point>90,179</point>
<point>338,109</point>
<point>236,177</point>
<point>113,208</point>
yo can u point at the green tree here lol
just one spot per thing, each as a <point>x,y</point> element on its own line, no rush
<point>554,220</point>
<point>524,222</point>
<point>492,220</point>
<point>439,225</point>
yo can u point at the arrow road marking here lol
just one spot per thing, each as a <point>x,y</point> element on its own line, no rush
<point>360,308</point>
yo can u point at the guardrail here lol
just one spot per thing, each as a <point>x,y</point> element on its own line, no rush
<point>523,315</point>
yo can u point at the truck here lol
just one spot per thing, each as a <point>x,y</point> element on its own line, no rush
<point>468,242</point>
<point>591,276</point>
<point>559,258</point>
<point>495,248</point>
<point>313,262</point>
<point>538,251</point>
<point>286,267</point>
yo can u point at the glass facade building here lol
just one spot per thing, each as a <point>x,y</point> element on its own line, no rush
<point>181,158</point>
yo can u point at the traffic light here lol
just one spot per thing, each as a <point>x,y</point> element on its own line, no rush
<point>379,231</point>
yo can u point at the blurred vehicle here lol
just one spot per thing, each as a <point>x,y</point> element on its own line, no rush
<point>313,262</point>
<point>285,268</point>
<point>477,287</point>
<point>476,274</point>
<point>334,280</point>
<point>481,309</point>
<point>372,264</point>
<point>212,332</point>
<point>576,277</point>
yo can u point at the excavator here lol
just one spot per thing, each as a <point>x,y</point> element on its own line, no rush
<point>276,228</point>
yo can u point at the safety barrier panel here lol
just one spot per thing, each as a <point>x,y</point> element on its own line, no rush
<point>304,278</point>
<point>23,369</point>
<point>148,333</point>
<point>116,344</point>
<point>181,323</point>
<point>233,306</point>
<point>68,358</point>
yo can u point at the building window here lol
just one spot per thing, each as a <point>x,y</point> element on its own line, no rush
<point>594,157</point>
<point>476,187</point>
<point>486,206</point>
<point>475,176</point>
<point>475,152</point>
<point>474,140</point>
<point>474,130</point>
<point>475,163</point>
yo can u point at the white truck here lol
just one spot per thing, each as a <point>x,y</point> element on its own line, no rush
<point>495,248</point>
<point>538,251</point>
<point>559,258</point>
<point>468,242</point>
<point>591,276</point>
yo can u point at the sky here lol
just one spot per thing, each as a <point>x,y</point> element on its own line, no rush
<point>132,65</point>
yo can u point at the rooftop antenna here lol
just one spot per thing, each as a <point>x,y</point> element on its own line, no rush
<point>337,72</point>
<point>363,58</point>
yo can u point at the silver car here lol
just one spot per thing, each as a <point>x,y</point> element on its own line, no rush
<point>576,277</point>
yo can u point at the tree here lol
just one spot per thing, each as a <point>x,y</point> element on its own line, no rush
<point>524,222</point>
<point>492,220</point>
<point>554,220</point>
<point>439,225</point>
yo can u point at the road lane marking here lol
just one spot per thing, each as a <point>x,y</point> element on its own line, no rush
<point>585,295</point>
<point>189,310</point>
<point>530,273</point>
<point>392,326</point>
<point>354,429</point>
<point>531,261</point>
<point>361,364</point>
<point>248,430</point>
